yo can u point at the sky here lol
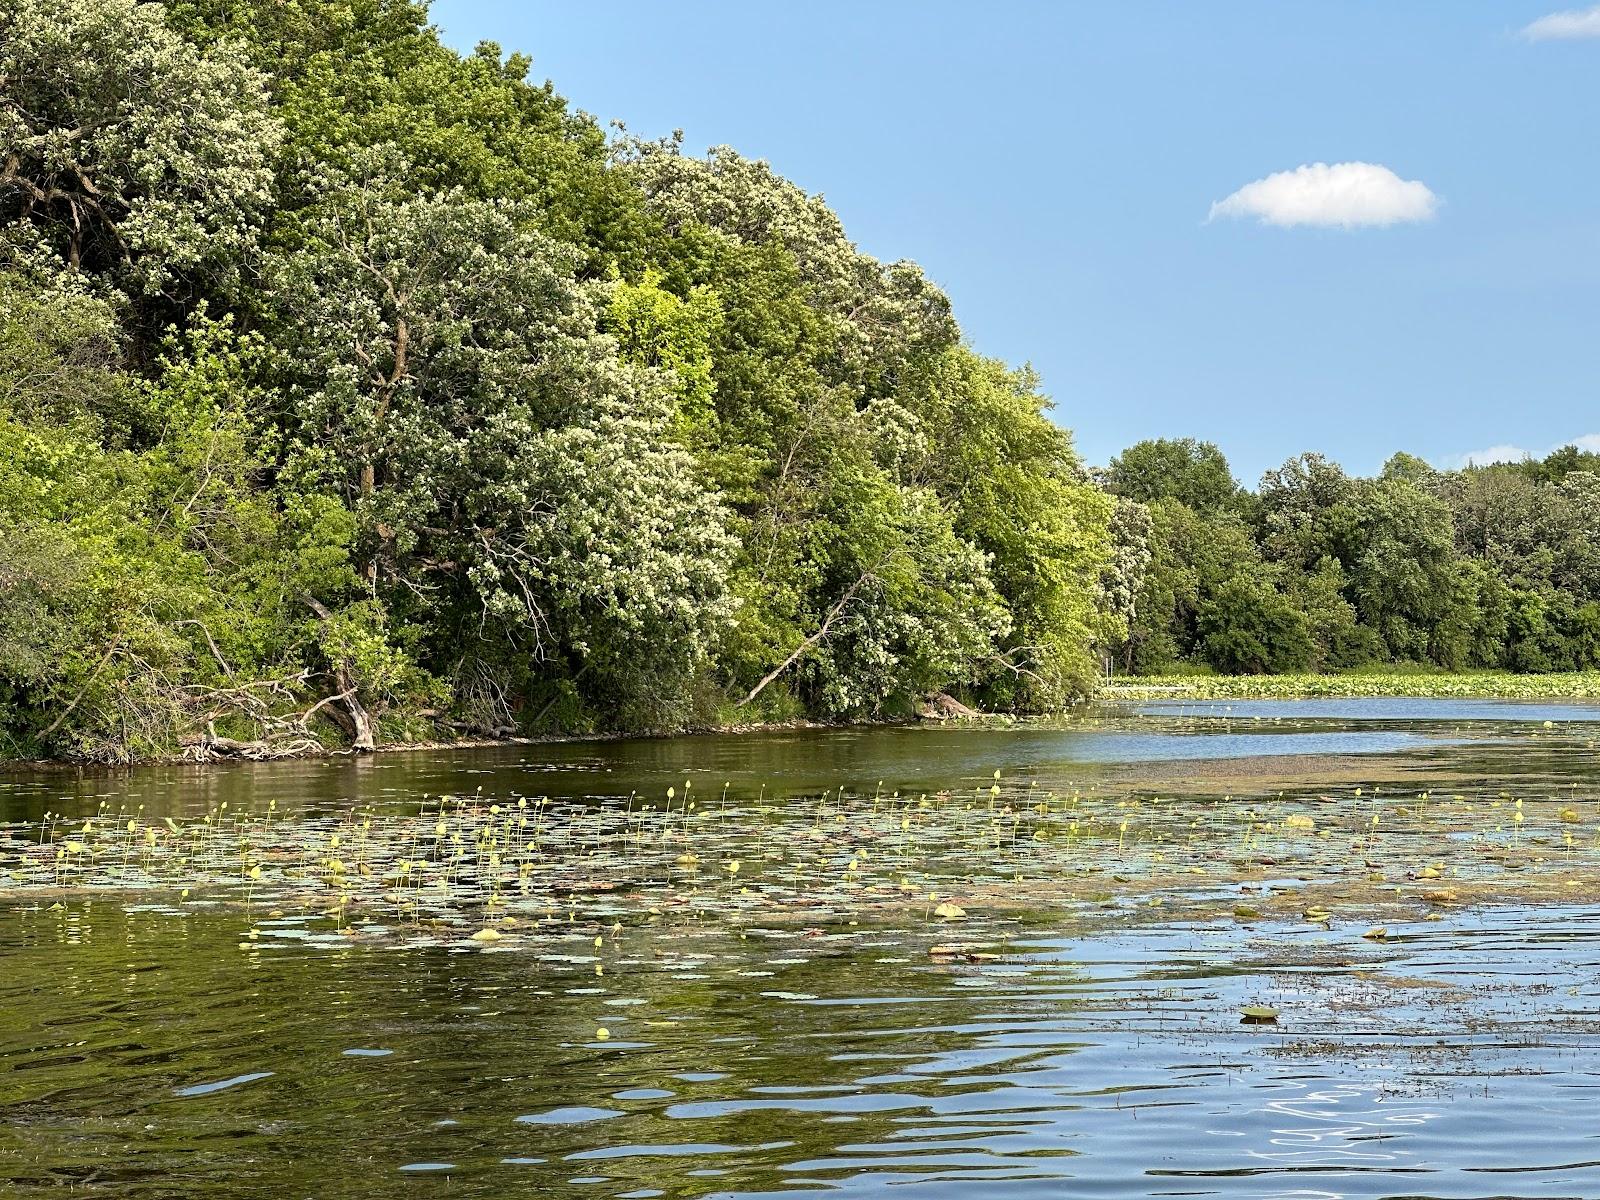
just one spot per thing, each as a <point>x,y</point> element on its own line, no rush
<point>1277,225</point>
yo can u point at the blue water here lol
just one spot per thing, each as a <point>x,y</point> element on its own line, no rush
<point>1460,1061</point>
<point>1159,747</point>
<point>153,1048</point>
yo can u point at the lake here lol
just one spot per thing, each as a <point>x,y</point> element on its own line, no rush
<point>1007,960</point>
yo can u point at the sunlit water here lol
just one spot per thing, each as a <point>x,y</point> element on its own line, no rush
<point>145,1051</point>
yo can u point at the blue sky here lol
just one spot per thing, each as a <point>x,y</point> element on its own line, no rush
<point>1055,165</point>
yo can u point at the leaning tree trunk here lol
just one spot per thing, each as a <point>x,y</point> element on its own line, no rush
<point>822,632</point>
<point>354,716</point>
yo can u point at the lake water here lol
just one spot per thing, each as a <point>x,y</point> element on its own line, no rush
<point>1085,1043</point>
<point>908,757</point>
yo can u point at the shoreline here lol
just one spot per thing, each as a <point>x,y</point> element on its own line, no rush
<point>548,739</point>
<point>1466,685</point>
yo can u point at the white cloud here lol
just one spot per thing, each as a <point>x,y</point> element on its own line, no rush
<point>1575,23</point>
<point>1511,454</point>
<point>1346,195</point>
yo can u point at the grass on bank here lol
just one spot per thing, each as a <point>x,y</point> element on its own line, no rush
<point>1486,684</point>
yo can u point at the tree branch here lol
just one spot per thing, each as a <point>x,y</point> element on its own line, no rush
<point>822,632</point>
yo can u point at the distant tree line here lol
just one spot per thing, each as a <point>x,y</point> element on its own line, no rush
<point>1487,567</point>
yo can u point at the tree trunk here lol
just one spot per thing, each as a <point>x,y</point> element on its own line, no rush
<point>359,718</point>
<point>358,722</point>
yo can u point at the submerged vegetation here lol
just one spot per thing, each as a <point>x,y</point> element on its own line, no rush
<point>525,870</point>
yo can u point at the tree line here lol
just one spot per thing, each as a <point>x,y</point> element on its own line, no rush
<point>1486,567</point>
<point>355,390</point>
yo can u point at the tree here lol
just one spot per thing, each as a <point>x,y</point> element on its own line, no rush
<point>1398,543</point>
<point>1331,620</point>
<point>1409,469</point>
<point>1296,501</point>
<point>1017,491</point>
<point>1578,553</point>
<point>127,151</point>
<point>1192,556</point>
<point>1561,462</point>
<point>352,388</point>
<point>658,329</point>
<point>509,475</point>
<point>1122,579</point>
<point>852,433</point>
<point>1248,628</point>
<point>138,604</point>
<point>1183,469</point>
<point>353,75</point>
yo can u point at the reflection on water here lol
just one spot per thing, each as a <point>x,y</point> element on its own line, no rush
<point>1212,744</point>
<point>912,758</point>
<point>157,1049</point>
<point>1459,1061</point>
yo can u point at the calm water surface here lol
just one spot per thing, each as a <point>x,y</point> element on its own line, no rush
<point>146,1052</point>
<point>911,758</point>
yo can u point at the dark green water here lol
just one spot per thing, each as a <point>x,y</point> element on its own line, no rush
<point>910,758</point>
<point>146,1052</point>
<point>145,1056</point>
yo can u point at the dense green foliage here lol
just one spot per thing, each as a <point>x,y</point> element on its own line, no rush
<point>352,390</point>
<point>1490,567</point>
